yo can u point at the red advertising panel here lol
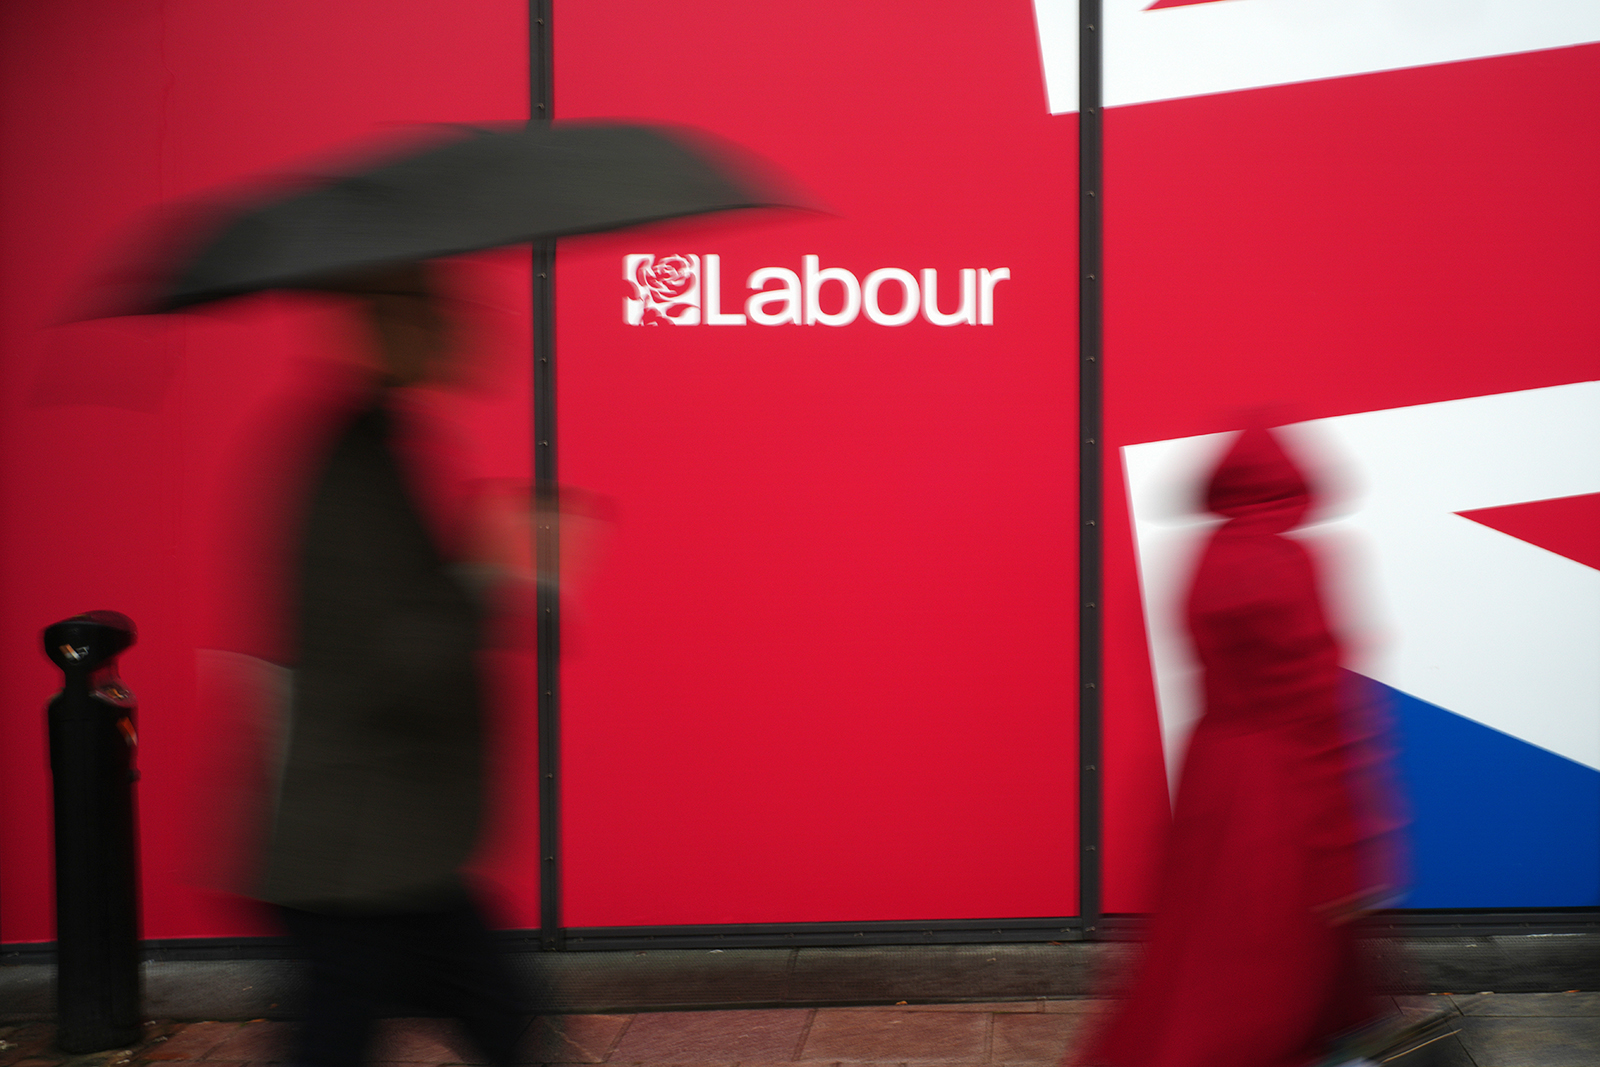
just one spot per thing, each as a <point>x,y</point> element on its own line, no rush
<point>819,644</point>
<point>1378,221</point>
<point>824,668</point>
<point>138,454</point>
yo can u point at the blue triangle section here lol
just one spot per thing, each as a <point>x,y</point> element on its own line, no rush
<point>1495,822</point>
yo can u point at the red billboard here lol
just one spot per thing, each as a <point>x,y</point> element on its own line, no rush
<point>821,665</point>
<point>1375,220</point>
<point>825,671</point>
<point>142,455</point>
<point>823,668</point>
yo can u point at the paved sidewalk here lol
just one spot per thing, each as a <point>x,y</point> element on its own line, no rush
<point>1492,1030</point>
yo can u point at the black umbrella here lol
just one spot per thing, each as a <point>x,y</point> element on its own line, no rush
<point>482,188</point>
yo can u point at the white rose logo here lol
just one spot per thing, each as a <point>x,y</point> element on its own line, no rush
<point>662,290</point>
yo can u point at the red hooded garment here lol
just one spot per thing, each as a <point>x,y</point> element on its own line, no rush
<point>1251,959</point>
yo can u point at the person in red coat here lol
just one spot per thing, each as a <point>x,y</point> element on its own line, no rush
<point>1252,958</point>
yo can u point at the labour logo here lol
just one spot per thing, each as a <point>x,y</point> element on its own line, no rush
<point>666,290</point>
<point>687,290</point>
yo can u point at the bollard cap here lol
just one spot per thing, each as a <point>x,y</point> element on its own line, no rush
<point>88,641</point>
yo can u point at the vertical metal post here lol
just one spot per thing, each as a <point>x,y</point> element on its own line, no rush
<point>92,738</point>
<point>1090,464</point>
<point>541,91</point>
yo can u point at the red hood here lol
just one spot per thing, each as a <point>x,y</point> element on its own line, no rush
<point>1258,482</point>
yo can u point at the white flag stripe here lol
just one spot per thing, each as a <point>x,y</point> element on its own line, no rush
<point>1163,478</point>
<point>1057,23</point>
<point>1227,45</point>
<point>1478,622</point>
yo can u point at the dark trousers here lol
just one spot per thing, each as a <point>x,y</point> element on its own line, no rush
<point>443,963</point>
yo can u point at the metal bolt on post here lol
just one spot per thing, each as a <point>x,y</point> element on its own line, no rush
<point>92,741</point>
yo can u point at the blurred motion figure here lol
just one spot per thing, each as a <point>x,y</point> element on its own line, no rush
<point>1277,842</point>
<point>380,798</point>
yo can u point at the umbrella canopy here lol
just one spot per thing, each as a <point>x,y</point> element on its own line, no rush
<point>481,189</point>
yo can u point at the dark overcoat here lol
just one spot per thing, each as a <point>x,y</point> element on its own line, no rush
<point>380,796</point>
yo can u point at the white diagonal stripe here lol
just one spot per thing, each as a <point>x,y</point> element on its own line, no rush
<point>1228,45</point>
<point>1478,622</point>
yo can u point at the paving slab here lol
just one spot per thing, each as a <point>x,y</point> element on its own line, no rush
<point>1041,1038</point>
<point>576,1038</point>
<point>261,1042</point>
<point>194,1041</point>
<point>1427,1003</point>
<point>1447,1051</point>
<point>25,1040</point>
<point>838,1036</point>
<point>417,1041</point>
<point>707,1036</point>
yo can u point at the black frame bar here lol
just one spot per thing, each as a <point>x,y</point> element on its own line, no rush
<point>1090,466</point>
<point>541,107</point>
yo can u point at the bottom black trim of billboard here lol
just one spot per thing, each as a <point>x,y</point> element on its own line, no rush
<point>1476,922</point>
<point>826,935</point>
<point>1471,922</point>
<point>1416,923</point>
<point>1428,923</point>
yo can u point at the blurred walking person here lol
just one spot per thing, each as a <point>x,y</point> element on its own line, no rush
<point>1276,848</point>
<point>381,794</point>
<point>379,799</point>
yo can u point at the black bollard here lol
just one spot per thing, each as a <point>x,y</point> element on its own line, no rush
<point>92,742</point>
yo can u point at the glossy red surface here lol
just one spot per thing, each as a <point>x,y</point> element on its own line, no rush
<point>137,453</point>
<point>1325,248</point>
<point>826,671</point>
